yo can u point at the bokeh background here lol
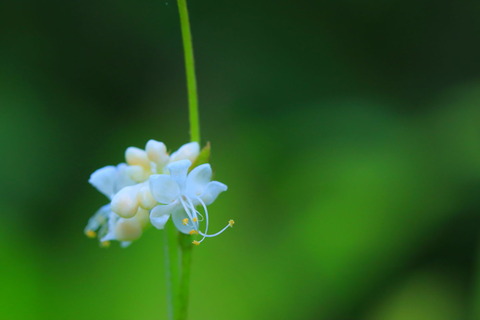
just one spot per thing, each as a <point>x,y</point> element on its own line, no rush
<point>347,131</point>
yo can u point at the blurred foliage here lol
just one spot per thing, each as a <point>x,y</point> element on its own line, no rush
<point>348,134</point>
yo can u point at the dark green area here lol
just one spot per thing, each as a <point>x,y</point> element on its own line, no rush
<point>348,133</point>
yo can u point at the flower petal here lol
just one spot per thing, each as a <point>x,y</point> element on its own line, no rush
<point>197,179</point>
<point>112,222</point>
<point>188,151</point>
<point>160,214</point>
<point>104,179</point>
<point>123,179</point>
<point>110,179</point>
<point>163,188</point>
<point>211,191</point>
<point>178,171</point>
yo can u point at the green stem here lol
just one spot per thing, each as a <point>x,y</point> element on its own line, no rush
<point>190,71</point>
<point>171,269</point>
<point>185,242</point>
<point>178,245</point>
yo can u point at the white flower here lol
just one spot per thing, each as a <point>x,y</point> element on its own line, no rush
<point>109,180</point>
<point>151,187</point>
<point>180,192</point>
<point>142,164</point>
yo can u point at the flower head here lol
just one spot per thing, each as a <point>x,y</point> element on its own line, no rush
<point>179,193</point>
<point>149,188</point>
<point>141,165</point>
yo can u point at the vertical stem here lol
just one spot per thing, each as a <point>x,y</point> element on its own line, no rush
<point>171,269</point>
<point>190,71</point>
<point>185,242</point>
<point>179,246</point>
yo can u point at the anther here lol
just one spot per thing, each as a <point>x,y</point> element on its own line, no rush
<point>105,244</point>
<point>231,223</point>
<point>195,219</point>
<point>195,242</point>
<point>90,233</point>
<point>193,232</point>
<point>185,221</point>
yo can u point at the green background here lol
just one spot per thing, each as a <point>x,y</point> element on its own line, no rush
<point>347,131</point>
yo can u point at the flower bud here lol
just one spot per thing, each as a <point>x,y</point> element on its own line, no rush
<point>145,197</point>
<point>125,202</point>
<point>137,157</point>
<point>143,217</point>
<point>137,173</point>
<point>188,151</point>
<point>157,152</point>
<point>128,230</point>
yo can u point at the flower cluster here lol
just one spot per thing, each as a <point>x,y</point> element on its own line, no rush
<point>151,187</point>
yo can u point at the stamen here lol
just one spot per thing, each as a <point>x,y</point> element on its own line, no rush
<point>187,210</point>
<point>90,233</point>
<point>194,211</point>
<point>215,234</point>
<point>206,213</point>
<point>192,214</point>
<point>185,221</point>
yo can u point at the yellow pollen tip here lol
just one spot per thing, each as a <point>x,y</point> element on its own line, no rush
<point>194,219</point>
<point>185,221</point>
<point>195,242</point>
<point>105,244</point>
<point>193,232</point>
<point>231,223</point>
<point>90,233</point>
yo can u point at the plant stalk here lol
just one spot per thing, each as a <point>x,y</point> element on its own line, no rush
<point>185,242</point>
<point>171,269</point>
<point>178,245</point>
<point>190,71</point>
